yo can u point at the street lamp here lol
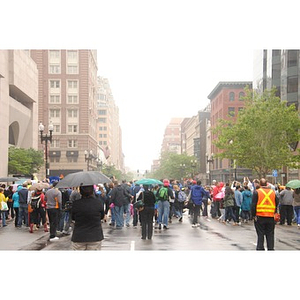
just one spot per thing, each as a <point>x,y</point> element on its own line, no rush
<point>88,156</point>
<point>45,138</point>
<point>234,163</point>
<point>209,160</point>
<point>182,167</point>
<point>193,165</point>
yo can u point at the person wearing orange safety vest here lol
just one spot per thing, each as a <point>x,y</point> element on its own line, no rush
<point>264,206</point>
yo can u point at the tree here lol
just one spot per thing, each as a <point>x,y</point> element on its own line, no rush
<point>24,161</point>
<point>261,137</point>
<point>174,166</point>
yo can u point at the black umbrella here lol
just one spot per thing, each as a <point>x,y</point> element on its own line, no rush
<point>9,179</point>
<point>82,179</point>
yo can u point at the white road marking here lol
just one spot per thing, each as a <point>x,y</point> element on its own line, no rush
<point>132,246</point>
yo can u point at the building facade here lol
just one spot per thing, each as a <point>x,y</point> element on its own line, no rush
<point>226,99</point>
<point>67,95</point>
<point>172,137</point>
<point>279,68</point>
<point>19,103</point>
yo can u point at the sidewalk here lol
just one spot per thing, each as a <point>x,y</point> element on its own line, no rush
<point>12,238</point>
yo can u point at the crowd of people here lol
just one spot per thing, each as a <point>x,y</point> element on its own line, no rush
<point>81,211</point>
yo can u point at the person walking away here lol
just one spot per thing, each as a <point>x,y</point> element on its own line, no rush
<point>228,203</point>
<point>24,197</point>
<point>35,204</point>
<point>216,202</point>
<point>264,205</point>
<point>9,193</point>
<point>286,206</point>
<point>196,195</point>
<point>163,206</point>
<point>16,205</point>
<point>181,198</point>
<point>246,204</point>
<point>53,198</point>
<point>87,212</point>
<point>147,213</point>
<point>296,205</point>
<point>238,202</point>
<point>205,201</point>
<point>127,201</point>
<point>3,207</point>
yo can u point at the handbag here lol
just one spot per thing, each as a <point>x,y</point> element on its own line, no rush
<point>4,206</point>
<point>139,205</point>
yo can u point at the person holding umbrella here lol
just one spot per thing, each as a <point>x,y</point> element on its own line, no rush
<point>87,212</point>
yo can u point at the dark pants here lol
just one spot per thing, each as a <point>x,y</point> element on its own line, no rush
<point>10,209</point>
<point>196,213</point>
<point>236,211</point>
<point>265,227</point>
<point>229,214</point>
<point>215,210</point>
<point>286,212</point>
<point>205,202</point>
<point>53,220</point>
<point>16,209</point>
<point>147,222</point>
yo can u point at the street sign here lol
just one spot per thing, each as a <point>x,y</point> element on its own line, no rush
<point>274,173</point>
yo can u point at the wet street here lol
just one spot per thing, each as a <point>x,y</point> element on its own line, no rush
<point>210,235</point>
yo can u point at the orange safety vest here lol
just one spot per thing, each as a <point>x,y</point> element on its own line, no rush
<point>266,204</point>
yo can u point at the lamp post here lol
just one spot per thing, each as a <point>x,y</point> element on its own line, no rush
<point>88,156</point>
<point>46,138</point>
<point>234,162</point>
<point>182,167</point>
<point>193,165</point>
<point>209,161</point>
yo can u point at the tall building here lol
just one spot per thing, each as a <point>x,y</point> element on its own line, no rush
<point>226,99</point>
<point>67,96</point>
<point>109,134</point>
<point>279,68</point>
<point>172,136</point>
<point>18,102</point>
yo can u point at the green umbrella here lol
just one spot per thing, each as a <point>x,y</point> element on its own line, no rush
<point>148,181</point>
<point>293,184</point>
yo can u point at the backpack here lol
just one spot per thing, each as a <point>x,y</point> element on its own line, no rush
<point>35,202</point>
<point>163,193</point>
<point>23,194</point>
<point>68,205</point>
<point>181,196</point>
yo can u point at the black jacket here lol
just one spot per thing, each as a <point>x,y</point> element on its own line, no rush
<point>119,196</point>
<point>149,198</point>
<point>87,213</point>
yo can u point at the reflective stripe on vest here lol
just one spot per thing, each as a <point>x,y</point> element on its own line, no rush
<point>266,203</point>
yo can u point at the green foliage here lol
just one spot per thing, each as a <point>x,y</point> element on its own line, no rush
<point>171,166</point>
<point>259,139</point>
<point>24,161</point>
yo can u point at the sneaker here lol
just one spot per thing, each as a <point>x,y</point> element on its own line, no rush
<point>194,225</point>
<point>166,227</point>
<point>54,239</point>
<point>127,225</point>
<point>180,219</point>
<point>159,226</point>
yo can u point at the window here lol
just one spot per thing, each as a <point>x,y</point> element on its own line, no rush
<point>72,55</point>
<point>72,113</point>
<point>54,54</point>
<point>72,99</point>
<point>55,159</point>
<point>241,95</point>
<point>102,120</point>
<point>292,58</point>
<point>54,69</point>
<point>56,128</point>
<point>54,84</point>
<point>54,113</point>
<point>102,112</point>
<point>72,128</point>
<point>72,84</point>
<point>292,84</point>
<point>72,70</point>
<point>231,96</point>
<point>72,159</point>
<point>72,143</point>
<point>55,144</point>
<point>54,99</point>
<point>231,111</point>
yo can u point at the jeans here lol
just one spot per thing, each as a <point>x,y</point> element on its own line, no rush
<point>196,213</point>
<point>205,202</point>
<point>127,212</point>
<point>67,221</point>
<point>229,214</point>
<point>119,211</point>
<point>23,212</point>
<point>297,211</point>
<point>16,209</point>
<point>163,212</point>
<point>215,210</point>
<point>3,217</point>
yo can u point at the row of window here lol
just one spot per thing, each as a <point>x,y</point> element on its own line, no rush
<point>56,69</point>
<point>56,84</point>
<point>232,96</point>
<point>71,113</point>
<point>56,99</point>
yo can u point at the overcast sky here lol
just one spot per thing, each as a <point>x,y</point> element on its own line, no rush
<point>162,58</point>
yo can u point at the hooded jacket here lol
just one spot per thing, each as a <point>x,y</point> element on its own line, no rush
<point>119,196</point>
<point>197,193</point>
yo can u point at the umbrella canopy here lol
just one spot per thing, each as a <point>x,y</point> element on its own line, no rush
<point>39,186</point>
<point>82,178</point>
<point>293,184</point>
<point>148,181</point>
<point>9,179</point>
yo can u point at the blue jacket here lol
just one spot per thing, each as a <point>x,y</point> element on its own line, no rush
<point>15,197</point>
<point>247,200</point>
<point>197,193</point>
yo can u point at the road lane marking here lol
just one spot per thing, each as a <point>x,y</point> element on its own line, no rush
<point>132,246</point>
